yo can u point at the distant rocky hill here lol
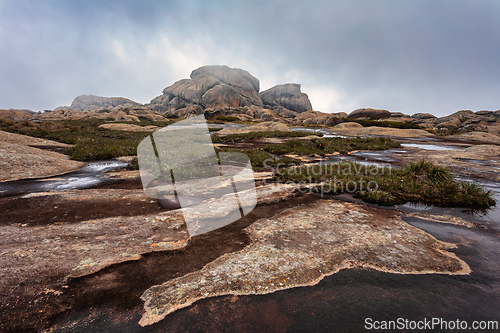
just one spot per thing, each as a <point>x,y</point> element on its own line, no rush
<point>95,103</point>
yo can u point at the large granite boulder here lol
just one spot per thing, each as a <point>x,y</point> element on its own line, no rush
<point>208,87</point>
<point>372,114</point>
<point>287,96</point>
<point>96,103</point>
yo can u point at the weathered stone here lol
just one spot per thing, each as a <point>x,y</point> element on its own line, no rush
<point>191,110</point>
<point>288,96</point>
<point>398,114</point>
<point>484,113</point>
<point>235,77</point>
<point>463,113</point>
<point>369,114</point>
<point>266,115</point>
<point>94,103</point>
<point>312,118</point>
<point>473,121</point>
<point>302,245</point>
<point>285,113</point>
<point>480,136</point>
<point>423,116</point>
<point>20,159</point>
<point>339,114</point>
<point>349,125</point>
<point>211,86</point>
<point>447,125</point>
<point>449,119</point>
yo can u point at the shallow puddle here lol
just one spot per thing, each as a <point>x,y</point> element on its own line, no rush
<point>429,147</point>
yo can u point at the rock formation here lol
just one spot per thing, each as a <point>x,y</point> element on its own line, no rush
<point>232,92</point>
<point>461,121</point>
<point>208,87</point>
<point>287,96</point>
<point>372,114</point>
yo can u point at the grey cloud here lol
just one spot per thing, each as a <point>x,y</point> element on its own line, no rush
<point>410,56</point>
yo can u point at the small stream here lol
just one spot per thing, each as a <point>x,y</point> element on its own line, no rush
<point>91,175</point>
<point>326,134</point>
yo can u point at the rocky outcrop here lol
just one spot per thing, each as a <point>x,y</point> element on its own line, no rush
<point>287,96</point>
<point>24,156</point>
<point>210,86</point>
<point>262,127</point>
<point>348,125</point>
<point>461,121</point>
<point>372,114</point>
<point>128,127</point>
<point>17,114</point>
<point>353,130</point>
<point>96,103</point>
<point>312,118</point>
<point>246,113</point>
<point>423,116</point>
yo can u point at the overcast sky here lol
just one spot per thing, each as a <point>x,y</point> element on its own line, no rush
<point>410,56</point>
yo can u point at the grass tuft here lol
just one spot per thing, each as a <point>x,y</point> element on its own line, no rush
<point>229,138</point>
<point>331,145</point>
<point>420,181</point>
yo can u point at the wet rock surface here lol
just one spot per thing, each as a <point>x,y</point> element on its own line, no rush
<point>302,245</point>
<point>379,131</point>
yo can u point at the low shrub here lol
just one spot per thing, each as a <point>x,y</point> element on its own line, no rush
<point>257,135</point>
<point>331,145</point>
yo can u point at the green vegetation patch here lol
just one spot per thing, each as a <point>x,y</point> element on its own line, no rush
<point>258,135</point>
<point>324,146</point>
<point>262,160</point>
<point>421,181</point>
<point>90,142</point>
<point>226,119</point>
